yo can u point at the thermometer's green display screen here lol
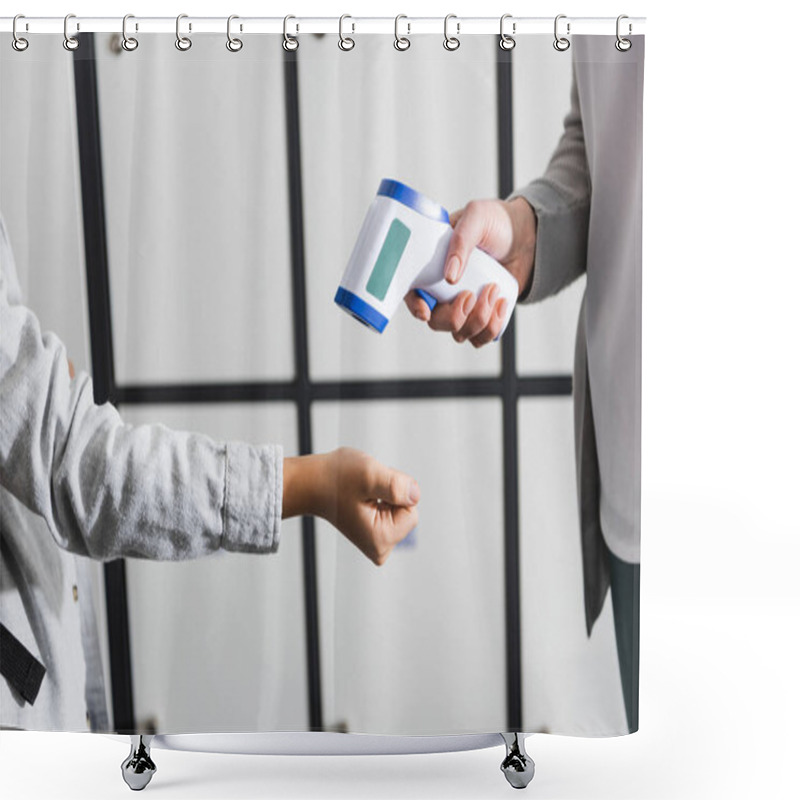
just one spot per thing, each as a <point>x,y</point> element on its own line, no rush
<point>386,264</point>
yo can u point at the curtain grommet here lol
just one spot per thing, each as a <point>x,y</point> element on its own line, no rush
<point>70,43</point>
<point>507,42</point>
<point>19,43</point>
<point>401,43</point>
<point>346,43</point>
<point>561,43</point>
<point>451,43</point>
<point>129,43</point>
<point>182,43</point>
<point>290,43</point>
<point>233,44</point>
<point>622,44</point>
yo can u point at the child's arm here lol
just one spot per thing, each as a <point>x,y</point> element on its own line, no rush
<point>107,489</point>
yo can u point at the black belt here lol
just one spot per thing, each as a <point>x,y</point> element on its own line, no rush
<point>22,669</point>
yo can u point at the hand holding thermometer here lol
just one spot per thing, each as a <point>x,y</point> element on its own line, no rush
<point>402,245</point>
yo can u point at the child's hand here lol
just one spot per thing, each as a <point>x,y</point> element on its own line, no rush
<point>372,505</point>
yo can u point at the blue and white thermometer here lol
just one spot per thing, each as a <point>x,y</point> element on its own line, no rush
<point>402,245</point>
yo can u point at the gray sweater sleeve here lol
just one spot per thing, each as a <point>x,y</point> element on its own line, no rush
<point>561,200</point>
<point>107,489</point>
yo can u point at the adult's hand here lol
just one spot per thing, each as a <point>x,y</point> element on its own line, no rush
<point>506,230</point>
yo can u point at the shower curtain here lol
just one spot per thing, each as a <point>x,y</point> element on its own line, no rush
<point>181,220</point>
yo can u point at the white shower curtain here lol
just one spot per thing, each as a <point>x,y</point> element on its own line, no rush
<point>202,245</point>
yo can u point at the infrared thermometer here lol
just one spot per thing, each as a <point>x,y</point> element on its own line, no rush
<point>402,245</point>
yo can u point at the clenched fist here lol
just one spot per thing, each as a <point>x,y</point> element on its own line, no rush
<point>374,506</point>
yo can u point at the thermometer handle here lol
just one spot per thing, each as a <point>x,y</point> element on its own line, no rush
<point>480,271</point>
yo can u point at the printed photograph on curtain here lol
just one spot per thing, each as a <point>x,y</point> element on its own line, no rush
<point>320,377</point>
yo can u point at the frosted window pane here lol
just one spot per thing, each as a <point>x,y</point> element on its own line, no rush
<point>405,643</point>
<point>39,188</point>
<point>194,159</point>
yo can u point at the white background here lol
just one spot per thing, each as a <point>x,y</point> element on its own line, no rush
<point>720,598</point>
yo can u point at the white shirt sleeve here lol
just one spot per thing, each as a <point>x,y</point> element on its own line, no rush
<point>108,489</point>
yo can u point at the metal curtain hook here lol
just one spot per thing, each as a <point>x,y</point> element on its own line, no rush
<point>561,43</point>
<point>507,42</point>
<point>401,42</point>
<point>129,43</point>
<point>233,44</point>
<point>451,42</point>
<point>183,43</point>
<point>290,42</point>
<point>18,43</point>
<point>70,42</point>
<point>623,45</point>
<point>346,42</point>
